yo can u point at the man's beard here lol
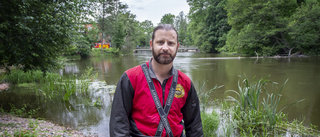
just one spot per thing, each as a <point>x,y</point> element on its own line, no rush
<point>163,60</point>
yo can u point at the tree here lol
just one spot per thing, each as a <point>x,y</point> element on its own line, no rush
<point>181,27</point>
<point>260,26</point>
<point>118,23</point>
<point>130,29</point>
<point>208,24</point>
<point>304,27</point>
<point>85,41</point>
<point>35,33</point>
<point>167,19</point>
<point>146,28</point>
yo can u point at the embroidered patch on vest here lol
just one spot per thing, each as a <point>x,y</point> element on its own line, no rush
<point>179,91</point>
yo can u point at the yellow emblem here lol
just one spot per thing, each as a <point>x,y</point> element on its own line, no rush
<point>179,91</point>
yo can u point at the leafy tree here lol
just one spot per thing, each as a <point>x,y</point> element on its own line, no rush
<point>118,24</point>
<point>304,27</point>
<point>181,26</point>
<point>83,47</point>
<point>34,33</point>
<point>85,41</point>
<point>260,26</point>
<point>91,33</point>
<point>208,24</point>
<point>146,28</point>
<point>167,19</point>
<point>131,30</point>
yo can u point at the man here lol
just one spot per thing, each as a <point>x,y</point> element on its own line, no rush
<point>155,99</point>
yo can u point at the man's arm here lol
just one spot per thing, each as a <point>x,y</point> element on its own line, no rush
<point>191,114</point>
<point>121,108</point>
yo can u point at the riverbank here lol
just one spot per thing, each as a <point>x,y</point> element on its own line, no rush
<point>11,125</point>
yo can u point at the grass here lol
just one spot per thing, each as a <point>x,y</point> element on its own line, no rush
<point>23,111</point>
<point>17,76</point>
<point>252,110</point>
<point>210,123</point>
<point>257,115</point>
<point>52,85</point>
<point>111,51</point>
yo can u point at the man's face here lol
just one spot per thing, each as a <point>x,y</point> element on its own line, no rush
<point>164,46</point>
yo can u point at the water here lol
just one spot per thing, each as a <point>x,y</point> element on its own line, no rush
<point>303,76</point>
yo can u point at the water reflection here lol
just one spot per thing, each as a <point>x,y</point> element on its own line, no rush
<point>80,112</point>
<point>71,69</point>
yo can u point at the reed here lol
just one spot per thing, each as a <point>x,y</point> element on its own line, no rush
<point>52,85</point>
<point>210,123</point>
<point>255,110</point>
<point>19,76</point>
<point>111,51</point>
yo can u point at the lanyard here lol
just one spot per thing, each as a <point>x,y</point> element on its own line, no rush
<point>164,123</point>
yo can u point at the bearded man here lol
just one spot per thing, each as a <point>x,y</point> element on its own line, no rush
<point>154,98</point>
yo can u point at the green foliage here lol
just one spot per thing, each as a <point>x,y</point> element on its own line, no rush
<point>167,19</point>
<point>181,27</point>
<point>210,123</point>
<point>204,96</point>
<point>304,27</point>
<point>208,24</point>
<point>85,41</point>
<point>124,31</point>
<point>111,51</point>
<point>119,36</point>
<point>52,84</point>
<point>273,27</point>
<point>25,133</point>
<point>24,111</point>
<point>65,87</point>
<point>249,94</point>
<point>145,32</point>
<point>35,33</point>
<point>253,117</point>
<point>83,46</point>
<point>131,30</point>
<point>19,76</point>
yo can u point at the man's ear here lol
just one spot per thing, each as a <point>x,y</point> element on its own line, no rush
<point>150,44</point>
<point>178,45</point>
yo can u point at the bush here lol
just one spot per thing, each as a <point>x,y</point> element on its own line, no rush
<point>18,76</point>
<point>110,51</point>
<point>210,123</point>
<point>255,117</point>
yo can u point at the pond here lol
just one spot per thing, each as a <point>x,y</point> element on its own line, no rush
<point>303,74</point>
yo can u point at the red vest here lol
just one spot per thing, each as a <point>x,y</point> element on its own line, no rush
<point>144,112</point>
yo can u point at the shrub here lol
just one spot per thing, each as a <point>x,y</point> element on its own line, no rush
<point>210,123</point>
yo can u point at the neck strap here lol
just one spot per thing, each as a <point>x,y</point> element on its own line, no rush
<point>164,123</point>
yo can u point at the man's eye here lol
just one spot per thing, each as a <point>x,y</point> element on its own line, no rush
<point>171,43</point>
<point>160,42</point>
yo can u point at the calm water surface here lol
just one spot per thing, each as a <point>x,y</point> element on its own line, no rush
<point>303,76</point>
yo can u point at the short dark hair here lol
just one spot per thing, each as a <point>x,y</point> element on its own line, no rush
<point>164,27</point>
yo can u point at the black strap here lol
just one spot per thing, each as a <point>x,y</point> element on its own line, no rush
<point>164,123</point>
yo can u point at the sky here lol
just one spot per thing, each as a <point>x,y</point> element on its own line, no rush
<point>154,9</point>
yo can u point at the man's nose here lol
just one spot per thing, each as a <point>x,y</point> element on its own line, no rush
<point>165,46</point>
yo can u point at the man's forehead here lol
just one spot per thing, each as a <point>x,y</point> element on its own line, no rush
<point>163,32</point>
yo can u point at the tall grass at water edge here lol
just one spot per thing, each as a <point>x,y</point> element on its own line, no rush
<point>96,52</point>
<point>53,84</point>
<point>210,118</point>
<point>254,110</point>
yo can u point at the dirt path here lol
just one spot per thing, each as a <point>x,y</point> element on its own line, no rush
<point>11,125</point>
